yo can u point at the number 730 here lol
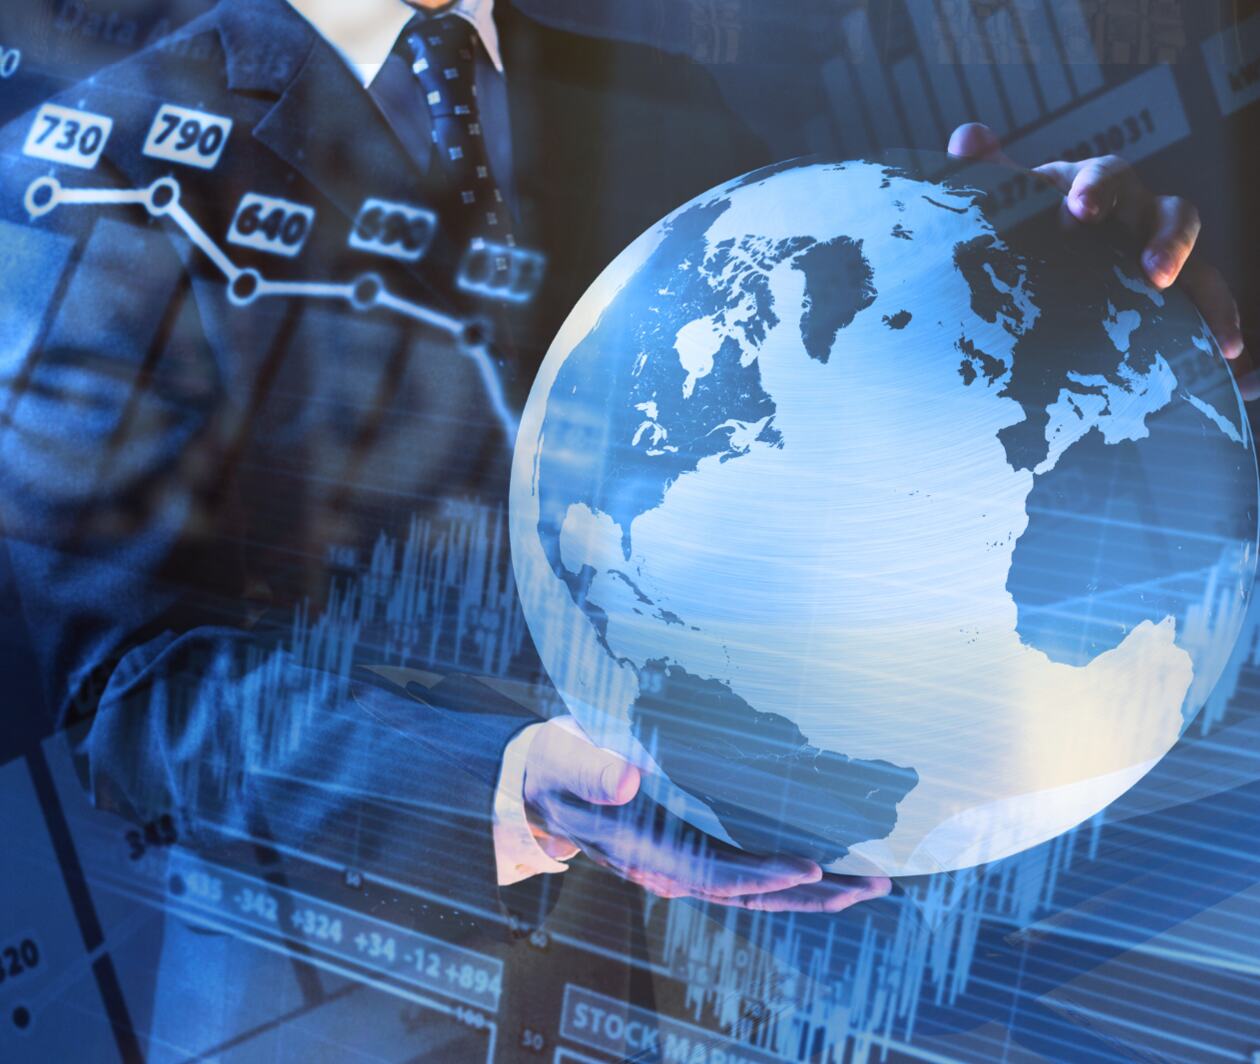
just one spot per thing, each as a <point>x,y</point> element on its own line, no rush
<point>73,135</point>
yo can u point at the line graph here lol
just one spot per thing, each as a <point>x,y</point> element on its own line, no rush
<point>245,285</point>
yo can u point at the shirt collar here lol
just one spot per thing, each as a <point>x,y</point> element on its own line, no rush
<point>364,32</point>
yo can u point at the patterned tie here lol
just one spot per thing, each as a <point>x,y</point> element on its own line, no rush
<point>443,51</point>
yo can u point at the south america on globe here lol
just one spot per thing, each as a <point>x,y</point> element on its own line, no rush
<point>883,516</point>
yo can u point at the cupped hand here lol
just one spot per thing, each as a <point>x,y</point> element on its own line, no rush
<point>581,797</point>
<point>1168,226</point>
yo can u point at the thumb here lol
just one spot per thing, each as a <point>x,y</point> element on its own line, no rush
<point>974,140</point>
<point>603,778</point>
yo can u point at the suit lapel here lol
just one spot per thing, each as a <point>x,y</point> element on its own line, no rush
<point>328,129</point>
<point>323,125</point>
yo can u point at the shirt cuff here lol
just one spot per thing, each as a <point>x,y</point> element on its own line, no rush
<point>517,852</point>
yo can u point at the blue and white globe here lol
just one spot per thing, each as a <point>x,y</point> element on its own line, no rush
<point>882,518</point>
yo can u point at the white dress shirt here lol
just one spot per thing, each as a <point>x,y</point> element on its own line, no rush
<point>363,33</point>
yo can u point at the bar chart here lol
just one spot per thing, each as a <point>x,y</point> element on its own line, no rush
<point>1011,68</point>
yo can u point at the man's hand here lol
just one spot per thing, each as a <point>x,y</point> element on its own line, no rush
<point>580,797</point>
<point>1168,227</point>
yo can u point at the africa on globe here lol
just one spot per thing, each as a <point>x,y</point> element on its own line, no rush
<point>883,517</point>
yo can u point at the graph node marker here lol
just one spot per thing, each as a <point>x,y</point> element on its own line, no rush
<point>476,332</point>
<point>163,195</point>
<point>244,288</point>
<point>367,291</point>
<point>42,196</point>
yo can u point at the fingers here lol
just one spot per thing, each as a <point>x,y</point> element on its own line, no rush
<point>664,855</point>
<point>746,881</point>
<point>1175,228</point>
<point>1100,186</point>
<point>973,140</point>
<point>606,779</point>
<point>681,872</point>
<point>832,894</point>
<point>730,874</point>
<point>1061,175</point>
<point>1205,285</point>
<point>1097,188</point>
<point>555,847</point>
<point>1169,225</point>
<point>672,859</point>
<point>563,760</point>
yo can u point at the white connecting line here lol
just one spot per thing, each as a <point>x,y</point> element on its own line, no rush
<point>162,200</point>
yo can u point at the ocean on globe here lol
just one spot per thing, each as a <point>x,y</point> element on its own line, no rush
<point>883,515</point>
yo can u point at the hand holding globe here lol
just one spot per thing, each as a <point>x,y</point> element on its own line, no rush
<point>878,523</point>
<point>581,797</point>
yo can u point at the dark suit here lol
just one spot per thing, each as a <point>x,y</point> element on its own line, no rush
<point>182,480</point>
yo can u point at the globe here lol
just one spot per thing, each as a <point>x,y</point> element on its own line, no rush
<point>883,515</point>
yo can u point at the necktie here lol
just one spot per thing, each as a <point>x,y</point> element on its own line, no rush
<point>443,51</point>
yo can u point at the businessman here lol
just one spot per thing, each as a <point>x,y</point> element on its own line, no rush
<point>188,469</point>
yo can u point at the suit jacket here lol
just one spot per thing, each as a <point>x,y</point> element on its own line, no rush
<point>209,510</point>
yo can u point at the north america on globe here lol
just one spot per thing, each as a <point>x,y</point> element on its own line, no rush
<point>880,521</point>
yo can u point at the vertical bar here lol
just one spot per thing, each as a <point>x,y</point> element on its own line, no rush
<point>125,1040</point>
<point>1154,92</point>
<point>1077,46</point>
<point>868,72</point>
<point>848,118</point>
<point>1008,57</point>
<point>1043,49</point>
<point>942,77</point>
<point>914,105</point>
<point>974,61</point>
